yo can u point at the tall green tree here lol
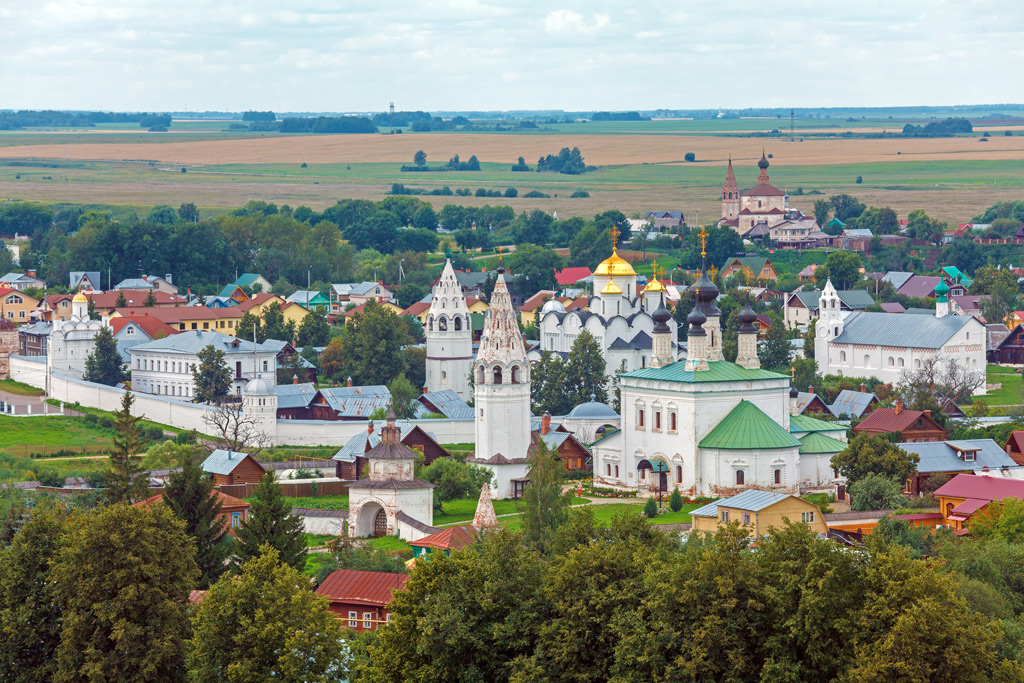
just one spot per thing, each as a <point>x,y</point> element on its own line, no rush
<point>126,480</point>
<point>212,376</point>
<point>774,351</point>
<point>265,625</point>
<point>403,397</point>
<point>123,577</point>
<point>874,454</point>
<point>251,327</point>
<point>546,384</point>
<point>150,299</point>
<point>842,267</point>
<point>121,301</point>
<point>314,329</point>
<point>455,479</point>
<point>535,266</point>
<point>371,346</point>
<point>271,522</point>
<point>274,324</point>
<point>875,492</point>
<point>584,374</point>
<point>189,494</point>
<point>545,507</point>
<point>30,615</point>
<point>104,365</point>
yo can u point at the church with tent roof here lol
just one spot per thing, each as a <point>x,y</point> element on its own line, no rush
<point>707,426</point>
<point>754,212</point>
<point>619,317</point>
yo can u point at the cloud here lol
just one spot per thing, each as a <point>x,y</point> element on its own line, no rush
<point>567,22</point>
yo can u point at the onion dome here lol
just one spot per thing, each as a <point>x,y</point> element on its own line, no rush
<point>793,393</point>
<point>654,286</point>
<point>615,266</point>
<point>80,299</point>
<point>705,292</point>
<point>941,290</point>
<point>696,320</point>
<point>746,320</point>
<point>763,164</point>
<point>661,317</point>
<point>552,306</point>
<point>611,288</point>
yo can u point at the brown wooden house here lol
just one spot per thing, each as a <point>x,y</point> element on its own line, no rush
<point>1010,350</point>
<point>233,511</point>
<point>360,599</point>
<point>573,454</point>
<point>349,460</point>
<point>914,425</point>
<point>1015,447</point>
<point>232,467</point>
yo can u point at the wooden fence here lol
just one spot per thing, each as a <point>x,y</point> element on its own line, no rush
<point>291,489</point>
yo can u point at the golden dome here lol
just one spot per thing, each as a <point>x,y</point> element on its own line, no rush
<point>654,286</point>
<point>615,265</point>
<point>80,299</point>
<point>611,288</point>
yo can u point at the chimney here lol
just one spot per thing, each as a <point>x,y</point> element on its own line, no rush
<point>31,273</point>
<point>898,405</point>
<point>369,427</point>
<point>424,390</point>
<point>169,278</point>
<point>862,388</point>
<point>348,382</point>
<point>810,388</point>
<point>295,379</point>
<point>545,423</point>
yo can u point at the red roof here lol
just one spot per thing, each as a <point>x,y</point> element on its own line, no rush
<point>885,420</point>
<point>172,315</point>
<point>196,597</point>
<point>262,298</point>
<point>763,190</point>
<point>981,488</point>
<point>134,297</point>
<point>417,308</point>
<point>362,588</point>
<point>452,538</point>
<point>226,501</point>
<point>570,276</point>
<point>537,300</point>
<point>580,303</point>
<point>150,325</point>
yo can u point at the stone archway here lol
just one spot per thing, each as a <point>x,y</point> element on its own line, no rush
<point>371,520</point>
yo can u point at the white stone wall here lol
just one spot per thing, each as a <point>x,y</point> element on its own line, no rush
<point>503,476</point>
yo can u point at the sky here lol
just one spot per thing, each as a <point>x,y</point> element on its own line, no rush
<point>359,55</point>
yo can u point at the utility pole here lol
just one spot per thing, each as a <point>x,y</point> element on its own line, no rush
<point>792,127</point>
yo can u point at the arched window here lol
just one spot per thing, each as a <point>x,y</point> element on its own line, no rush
<point>836,332</point>
<point>515,374</point>
<point>778,476</point>
<point>739,477</point>
<point>867,361</point>
<point>430,323</point>
<point>458,323</point>
<point>892,361</point>
<point>672,421</point>
<point>442,324</point>
<point>497,375</point>
<point>842,356</point>
<point>917,363</point>
<point>679,474</point>
<point>640,418</point>
<point>480,375</point>
<point>643,361</point>
<point>901,362</point>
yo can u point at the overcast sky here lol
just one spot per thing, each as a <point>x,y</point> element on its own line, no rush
<point>357,55</point>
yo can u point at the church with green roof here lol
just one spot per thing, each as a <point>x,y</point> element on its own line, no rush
<point>709,427</point>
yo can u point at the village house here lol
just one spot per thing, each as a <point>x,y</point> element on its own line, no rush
<point>358,310</point>
<point>341,295</point>
<point>54,307</point>
<point>758,512</point>
<point>311,300</point>
<point>350,461</point>
<point>233,511</point>
<point>759,267</point>
<point>915,425</point>
<point>231,467</point>
<point>1010,350</point>
<point>252,281</point>
<point>146,282</point>
<point>16,306</point>
<point>853,404</point>
<point>84,280</point>
<point>808,402</point>
<point>966,495</point>
<point>970,456</point>
<point>105,303</point>
<point>572,276</point>
<point>360,598</point>
<point>22,281</point>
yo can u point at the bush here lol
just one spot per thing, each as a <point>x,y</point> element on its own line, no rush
<point>650,508</point>
<point>690,156</point>
<point>511,192</point>
<point>579,194</point>
<point>576,475</point>
<point>675,501</point>
<point>860,180</point>
<point>303,165</point>
<point>536,194</point>
<point>184,170</point>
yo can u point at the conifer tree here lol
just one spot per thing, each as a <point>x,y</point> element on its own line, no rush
<point>104,364</point>
<point>270,521</point>
<point>150,300</point>
<point>121,301</point>
<point>189,494</point>
<point>126,480</point>
<point>314,329</point>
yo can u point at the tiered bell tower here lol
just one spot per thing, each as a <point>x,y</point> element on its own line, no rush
<point>449,336</point>
<point>730,195</point>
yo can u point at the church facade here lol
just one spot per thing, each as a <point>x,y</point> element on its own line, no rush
<point>449,335</point>
<point>619,318</point>
<point>706,426</point>
<point>71,340</point>
<point>760,208</point>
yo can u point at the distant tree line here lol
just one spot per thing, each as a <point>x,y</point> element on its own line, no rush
<point>618,116</point>
<point>27,118</point>
<point>328,124</point>
<point>259,116</point>
<point>938,129</point>
<point>566,161</point>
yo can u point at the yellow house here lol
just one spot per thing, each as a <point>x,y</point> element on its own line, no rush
<point>348,315</point>
<point>476,305</point>
<point>16,306</point>
<point>758,511</point>
<point>258,306</point>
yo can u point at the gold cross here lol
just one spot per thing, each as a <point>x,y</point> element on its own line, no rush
<point>747,273</point>
<point>654,269</point>
<point>714,272</point>
<point>703,241</point>
<point>614,233</point>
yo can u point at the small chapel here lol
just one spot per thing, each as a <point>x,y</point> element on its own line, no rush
<point>706,426</point>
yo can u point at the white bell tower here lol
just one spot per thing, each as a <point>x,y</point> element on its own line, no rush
<point>449,334</point>
<point>259,402</point>
<point>829,325</point>
<point>502,382</point>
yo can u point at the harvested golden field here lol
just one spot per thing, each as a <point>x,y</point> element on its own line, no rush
<point>608,149</point>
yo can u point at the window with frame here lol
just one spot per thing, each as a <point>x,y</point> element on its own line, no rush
<point>746,519</point>
<point>353,619</point>
<point>657,421</point>
<point>672,422</point>
<point>778,476</point>
<point>725,515</point>
<point>807,517</point>
<point>616,471</point>
<point>368,620</point>
<point>739,477</point>
<point>640,418</point>
<point>236,520</point>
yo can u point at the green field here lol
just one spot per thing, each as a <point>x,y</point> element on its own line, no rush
<point>26,435</point>
<point>1010,393</point>
<point>320,503</point>
<point>13,387</point>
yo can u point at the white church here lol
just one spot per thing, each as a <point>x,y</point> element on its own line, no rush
<point>449,336</point>
<point>883,345</point>
<point>71,340</point>
<point>709,427</point>
<point>620,318</point>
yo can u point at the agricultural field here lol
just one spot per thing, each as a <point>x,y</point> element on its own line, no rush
<point>640,166</point>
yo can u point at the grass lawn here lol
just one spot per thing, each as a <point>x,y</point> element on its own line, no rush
<point>15,468</point>
<point>603,514</point>
<point>316,540</point>
<point>462,510</point>
<point>145,424</point>
<point>27,435</point>
<point>1009,394</point>
<point>321,502</point>
<point>289,453</point>
<point>314,561</point>
<point>392,545</point>
<point>13,387</point>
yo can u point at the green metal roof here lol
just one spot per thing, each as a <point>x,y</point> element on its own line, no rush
<point>816,442</point>
<point>747,427</point>
<point>718,371</point>
<point>803,423</point>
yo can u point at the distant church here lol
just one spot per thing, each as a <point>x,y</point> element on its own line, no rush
<point>761,206</point>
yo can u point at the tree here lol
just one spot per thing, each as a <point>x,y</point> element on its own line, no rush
<point>270,522</point>
<point>265,625</point>
<point>104,365</point>
<point>188,212</point>
<point>922,227</point>
<point>584,372</point>
<point>1005,299</point>
<point>274,324</point>
<point>314,330</point>
<point>455,479</point>
<point>123,577</point>
<point>774,352</point>
<point>420,158</point>
<point>121,301</point>
<point>535,267</point>
<point>874,454</point>
<point>875,492</point>
<point>845,206</point>
<point>251,327</point>
<point>403,397</point>
<point>822,211</point>
<point>937,380</point>
<point>1000,519</point>
<point>425,218</point>
<point>675,501</point>
<point>805,372</point>
<point>371,347</point>
<point>30,616</point>
<point>126,480</point>
<point>212,377</point>
<point>589,247</point>
<point>150,299</point>
<point>170,454</point>
<point>546,384</point>
<point>237,430</point>
<point>988,277</point>
<point>189,495</point>
<point>545,507</point>
<point>842,267</point>
<point>650,509</point>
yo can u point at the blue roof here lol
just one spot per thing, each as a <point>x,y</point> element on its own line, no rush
<point>898,329</point>
<point>751,500</point>
<point>223,462</point>
<point>76,277</point>
<point>294,395</point>
<point>594,410</point>
<point>852,403</point>
<point>941,456</point>
<point>449,404</point>
<point>357,445</point>
<point>133,283</point>
<point>194,341</point>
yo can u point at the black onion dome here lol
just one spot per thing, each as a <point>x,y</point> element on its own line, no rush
<point>793,393</point>
<point>696,320</point>
<point>763,164</point>
<point>661,316</point>
<point>705,291</point>
<point>746,320</point>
